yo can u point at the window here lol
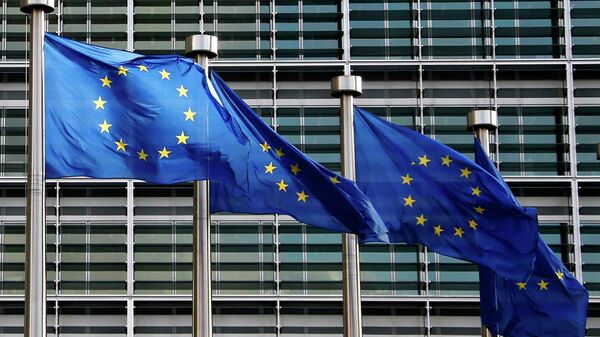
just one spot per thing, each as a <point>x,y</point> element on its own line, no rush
<point>243,28</point>
<point>152,27</point>
<point>529,29</point>
<point>585,21</point>
<point>384,29</point>
<point>307,29</point>
<point>453,29</point>
<point>245,261</point>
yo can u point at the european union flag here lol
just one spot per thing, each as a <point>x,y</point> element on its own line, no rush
<point>115,114</point>
<point>548,302</point>
<point>283,180</point>
<point>430,194</point>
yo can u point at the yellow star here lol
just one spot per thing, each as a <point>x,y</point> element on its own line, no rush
<point>421,220</point>
<point>99,103</point>
<point>143,155</point>
<point>104,127</point>
<point>282,186</point>
<point>270,168</point>
<point>473,224</point>
<point>334,180</point>
<point>164,153</point>
<point>265,147</point>
<point>409,201</point>
<point>476,191</point>
<point>279,153</point>
<point>560,275</point>
<point>182,91</point>
<point>479,209</point>
<point>122,71</point>
<point>406,179</point>
<point>121,145</point>
<point>437,230</point>
<point>465,172</point>
<point>105,81</point>
<point>182,138</point>
<point>143,68</point>
<point>165,75</point>
<point>543,284</point>
<point>424,160</point>
<point>189,114</point>
<point>458,231</point>
<point>295,169</point>
<point>302,196</point>
<point>446,160</point>
<point>521,285</point>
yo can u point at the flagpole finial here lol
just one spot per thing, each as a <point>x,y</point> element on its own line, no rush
<point>201,44</point>
<point>28,5</point>
<point>484,118</point>
<point>346,84</point>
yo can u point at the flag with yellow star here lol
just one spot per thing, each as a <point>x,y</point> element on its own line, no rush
<point>548,302</point>
<point>430,194</point>
<point>115,114</point>
<point>285,181</point>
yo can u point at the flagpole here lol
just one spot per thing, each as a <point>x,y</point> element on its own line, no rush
<point>202,48</point>
<point>35,226</point>
<point>346,87</point>
<point>483,122</point>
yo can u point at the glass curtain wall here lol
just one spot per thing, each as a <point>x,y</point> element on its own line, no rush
<point>119,252</point>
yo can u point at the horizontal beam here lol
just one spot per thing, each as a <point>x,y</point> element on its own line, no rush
<point>265,298</point>
<point>83,180</point>
<point>340,63</point>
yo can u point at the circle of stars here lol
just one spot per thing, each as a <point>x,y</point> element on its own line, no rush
<point>105,125</point>
<point>475,192</point>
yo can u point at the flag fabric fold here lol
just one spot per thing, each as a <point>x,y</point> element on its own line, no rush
<point>548,302</point>
<point>430,194</point>
<point>285,181</point>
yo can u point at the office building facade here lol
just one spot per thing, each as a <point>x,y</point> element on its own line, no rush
<point>119,251</point>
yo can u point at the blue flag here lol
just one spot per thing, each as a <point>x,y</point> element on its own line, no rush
<point>430,194</point>
<point>548,302</point>
<point>115,114</point>
<point>283,180</point>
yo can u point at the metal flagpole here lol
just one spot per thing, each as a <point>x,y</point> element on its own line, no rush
<point>483,122</point>
<point>35,227</point>
<point>346,87</point>
<point>201,48</point>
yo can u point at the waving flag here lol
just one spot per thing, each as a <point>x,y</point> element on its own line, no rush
<point>115,114</point>
<point>430,194</point>
<point>548,302</point>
